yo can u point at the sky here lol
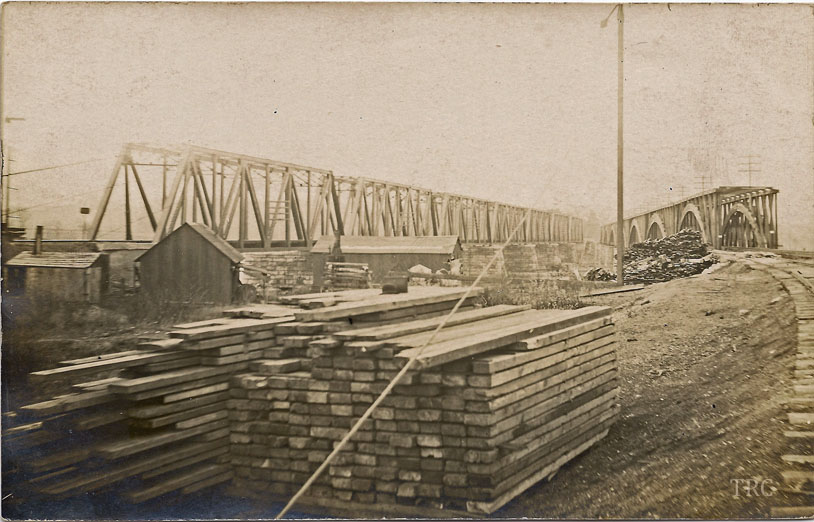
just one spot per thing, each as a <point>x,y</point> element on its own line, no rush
<point>515,103</point>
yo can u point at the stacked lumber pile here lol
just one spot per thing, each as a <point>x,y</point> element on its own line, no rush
<point>158,422</point>
<point>501,399</point>
<point>340,275</point>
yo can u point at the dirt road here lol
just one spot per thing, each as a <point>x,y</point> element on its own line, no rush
<point>704,364</point>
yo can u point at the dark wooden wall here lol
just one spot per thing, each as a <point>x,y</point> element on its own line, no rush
<point>185,266</point>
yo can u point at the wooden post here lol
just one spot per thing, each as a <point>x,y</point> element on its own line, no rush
<point>620,214</point>
<point>243,224</point>
<point>127,223</point>
<point>287,207</point>
<point>267,208</point>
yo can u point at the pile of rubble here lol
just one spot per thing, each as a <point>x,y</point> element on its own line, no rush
<point>656,260</point>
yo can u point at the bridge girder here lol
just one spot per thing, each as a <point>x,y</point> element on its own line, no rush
<point>274,202</point>
<point>715,213</point>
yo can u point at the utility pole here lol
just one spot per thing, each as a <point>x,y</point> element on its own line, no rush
<point>7,188</point>
<point>750,166</point>
<point>620,213</point>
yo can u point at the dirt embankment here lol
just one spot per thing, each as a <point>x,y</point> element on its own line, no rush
<point>704,363</point>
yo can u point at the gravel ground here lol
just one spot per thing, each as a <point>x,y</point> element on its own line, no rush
<point>704,364</point>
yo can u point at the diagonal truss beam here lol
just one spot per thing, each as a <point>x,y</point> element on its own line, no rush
<point>274,202</point>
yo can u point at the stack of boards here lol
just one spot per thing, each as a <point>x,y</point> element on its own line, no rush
<point>500,399</point>
<point>148,422</point>
<point>347,275</point>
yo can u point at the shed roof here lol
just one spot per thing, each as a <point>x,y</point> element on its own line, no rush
<point>55,259</point>
<point>389,245</point>
<point>215,240</point>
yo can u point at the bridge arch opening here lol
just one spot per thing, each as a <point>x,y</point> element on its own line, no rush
<point>740,229</point>
<point>655,230</point>
<point>691,218</point>
<point>633,237</point>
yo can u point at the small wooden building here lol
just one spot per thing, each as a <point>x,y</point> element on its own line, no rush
<point>386,254</point>
<point>58,276</point>
<point>191,264</point>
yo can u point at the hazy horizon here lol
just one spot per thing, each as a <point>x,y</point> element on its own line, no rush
<point>513,102</point>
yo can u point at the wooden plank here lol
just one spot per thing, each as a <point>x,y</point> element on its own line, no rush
<point>592,374</point>
<point>449,351</point>
<point>159,410</point>
<point>264,310</point>
<point>58,460</point>
<point>87,482</point>
<point>151,382</point>
<point>98,419</point>
<point>416,296</point>
<point>135,445</point>
<point>503,429</point>
<point>196,475</point>
<point>415,312</point>
<point>207,483</point>
<point>196,392</point>
<point>500,362</point>
<point>231,359</point>
<point>617,290</point>
<point>161,344</point>
<point>69,402</point>
<point>235,326</point>
<point>579,330</point>
<point>562,360</point>
<point>109,364</point>
<point>102,357</point>
<point>472,329</point>
<point>157,422</point>
<point>203,419</point>
<point>190,385</point>
<point>377,333</point>
<point>581,418</point>
<point>97,385</point>
<point>344,295</point>
<point>216,450</point>
<point>538,474</point>
<point>274,367</point>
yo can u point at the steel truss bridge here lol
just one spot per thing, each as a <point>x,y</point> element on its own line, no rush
<point>263,203</point>
<point>725,216</point>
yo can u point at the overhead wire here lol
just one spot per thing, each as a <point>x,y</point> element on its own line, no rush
<point>410,362</point>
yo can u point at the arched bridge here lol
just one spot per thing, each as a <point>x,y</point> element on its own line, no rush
<point>725,216</point>
<point>260,203</point>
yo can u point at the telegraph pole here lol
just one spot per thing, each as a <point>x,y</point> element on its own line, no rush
<point>620,88</point>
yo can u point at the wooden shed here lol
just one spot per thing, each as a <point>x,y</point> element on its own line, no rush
<point>190,264</point>
<point>385,254</point>
<point>58,276</point>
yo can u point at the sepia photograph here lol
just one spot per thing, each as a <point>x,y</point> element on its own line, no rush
<point>357,260</point>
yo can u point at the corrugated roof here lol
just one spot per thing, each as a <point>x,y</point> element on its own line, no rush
<point>389,245</point>
<point>205,232</point>
<point>55,259</point>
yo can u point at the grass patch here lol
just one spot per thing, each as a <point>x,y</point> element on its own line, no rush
<point>540,294</point>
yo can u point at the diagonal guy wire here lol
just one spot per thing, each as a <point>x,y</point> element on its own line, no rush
<point>397,378</point>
